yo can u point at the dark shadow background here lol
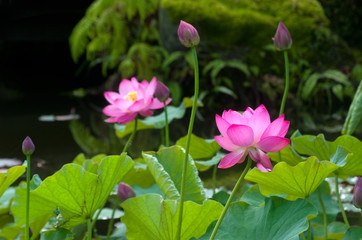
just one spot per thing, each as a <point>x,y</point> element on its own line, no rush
<point>36,75</point>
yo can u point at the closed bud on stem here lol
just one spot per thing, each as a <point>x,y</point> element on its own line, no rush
<point>188,34</point>
<point>28,146</point>
<point>282,39</point>
<point>162,92</point>
<point>357,194</point>
<point>125,191</point>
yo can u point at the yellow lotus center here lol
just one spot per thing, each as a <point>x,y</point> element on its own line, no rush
<point>131,96</point>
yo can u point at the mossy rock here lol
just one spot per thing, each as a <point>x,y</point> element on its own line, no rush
<point>248,23</point>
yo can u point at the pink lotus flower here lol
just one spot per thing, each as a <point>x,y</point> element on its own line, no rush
<point>250,133</point>
<point>133,98</point>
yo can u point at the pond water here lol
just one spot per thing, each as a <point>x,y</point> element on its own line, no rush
<point>54,145</point>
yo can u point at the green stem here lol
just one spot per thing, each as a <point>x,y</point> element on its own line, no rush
<point>166,126</point>
<point>27,197</point>
<point>89,225</point>
<point>131,137</point>
<point>214,179</point>
<point>309,231</point>
<point>340,204</point>
<point>325,221</point>
<point>236,187</point>
<point>189,132</point>
<point>286,89</point>
<point>110,225</point>
<point>302,236</point>
<point>96,218</point>
<point>124,150</point>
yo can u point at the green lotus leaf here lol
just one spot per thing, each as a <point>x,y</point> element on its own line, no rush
<point>353,166</point>
<point>73,191</point>
<point>200,148</point>
<point>166,167</point>
<point>8,178</point>
<point>332,208</point>
<point>317,146</point>
<point>153,218</point>
<point>335,230</point>
<point>288,155</point>
<point>354,233</point>
<point>277,219</point>
<point>157,121</point>
<point>298,181</point>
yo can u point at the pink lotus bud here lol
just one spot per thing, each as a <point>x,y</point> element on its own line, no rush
<point>188,34</point>
<point>282,39</point>
<point>162,92</point>
<point>357,193</point>
<point>28,146</point>
<point>125,191</point>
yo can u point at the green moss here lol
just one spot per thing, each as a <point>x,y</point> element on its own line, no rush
<point>248,23</point>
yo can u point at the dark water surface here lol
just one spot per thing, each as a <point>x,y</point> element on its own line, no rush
<point>54,145</point>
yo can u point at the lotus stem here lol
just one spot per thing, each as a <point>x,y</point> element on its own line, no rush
<point>110,225</point>
<point>309,231</point>
<point>214,179</point>
<point>236,187</point>
<point>27,197</point>
<point>325,221</point>
<point>286,89</point>
<point>89,226</point>
<point>188,140</point>
<point>131,137</point>
<point>166,126</point>
<point>345,219</point>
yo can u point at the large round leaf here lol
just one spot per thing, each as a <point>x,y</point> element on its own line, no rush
<point>166,167</point>
<point>6,179</point>
<point>76,192</point>
<point>277,219</point>
<point>296,181</point>
<point>152,218</point>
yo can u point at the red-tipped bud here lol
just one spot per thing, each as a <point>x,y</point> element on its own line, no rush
<point>282,39</point>
<point>125,191</point>
<point>162,92</point>
<point>357,193</point>
<point>188,34</point>
<point>28,146</point>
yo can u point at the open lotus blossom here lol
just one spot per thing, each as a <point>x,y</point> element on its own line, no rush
<point>250,133</point>
<point>133,98</point>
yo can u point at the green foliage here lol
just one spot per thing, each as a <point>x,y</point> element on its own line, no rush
<point>8,178</point>
<point>332,210</point>
<point>200,148</point>
<point>152,122</point>
<point>265,222</point>
<point>354,233</point>
<point>165,167</point>
<point>58,234</point>
<point>336,230</point>
<point>73,191</point>
<point>203,151</point>
<point>115,33</point>
<point>317,146</point>
<point>94,144</point>
<point>299,181</point>
<point>354,113</point>
<point>311,87</point>
<point>151,217</point>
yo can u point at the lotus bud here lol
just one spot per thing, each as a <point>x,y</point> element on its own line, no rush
<point>357,193</point>
<point>162,92</point>
<point>125,191</point>
<point>28,146</point>
<point>188,34</point>
<point>282,39</point>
